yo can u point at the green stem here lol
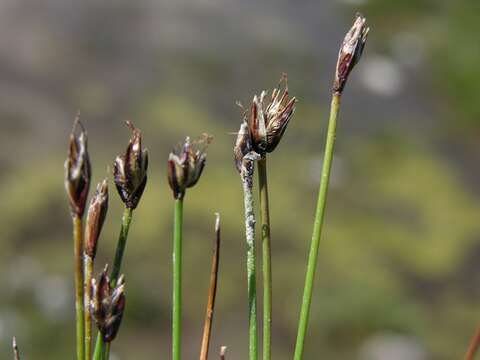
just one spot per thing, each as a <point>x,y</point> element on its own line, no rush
<point>122,242</point>
<point>317,228</point>
<point>177,280</point>
<point>266,258</point>
<point>88,315</point>
<point>117,264</point>
<point>78,254</point>
<point>100,349</point>
<point>247,182</point>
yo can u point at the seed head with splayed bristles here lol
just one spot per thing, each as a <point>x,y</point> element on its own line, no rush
<point>186,165</point>
<point>107,305</point>
<point>77,169</point>
<point>130,170</point>
<point>97,212</point>
<point>350,52</point>
<point>269,117</point>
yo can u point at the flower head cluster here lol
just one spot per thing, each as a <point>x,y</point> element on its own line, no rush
<point>107,305</point>
<point>186,165</point>
<point>130,170</point>
<point>269,117</point>
<point>350,52</point>
<point>77,169</point>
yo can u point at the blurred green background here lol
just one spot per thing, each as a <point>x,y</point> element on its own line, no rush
<point>399,268</point>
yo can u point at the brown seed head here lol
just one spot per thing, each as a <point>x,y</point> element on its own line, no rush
<point>269,117</point>
<point>97,212</point>
<point>130,170</point>
<point>77,169</point>
<point>186,165</point>
<point>350,52</point>
<point>107,305</point>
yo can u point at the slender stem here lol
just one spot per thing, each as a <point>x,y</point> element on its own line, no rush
<point>473,346</point>
<point>107,350</point>
<point>177,280</point>
<point>212,292</point>
<point>266,258</point>
<point>317,228</point>
<point>78,255</point>
<point>100,349</point>
<point>16,352</point>
<point>247,182</point>
<point>117,264</point>
<point>122,242</point>
<point>88,295</point>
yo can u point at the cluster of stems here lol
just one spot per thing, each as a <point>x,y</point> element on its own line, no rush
<point>102,302</point>
<point>260,135</point>
<point>105,304</point>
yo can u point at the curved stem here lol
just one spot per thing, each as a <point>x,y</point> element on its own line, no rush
<point>317,228</point>
<point>177,281</point>
<point>78,255</point>
<point>88,315</point>
<point>266,258</point>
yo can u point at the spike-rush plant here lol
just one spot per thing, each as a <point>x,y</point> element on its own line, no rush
<point>102,301</point>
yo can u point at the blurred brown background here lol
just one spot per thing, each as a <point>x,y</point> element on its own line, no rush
<point>399,261</point>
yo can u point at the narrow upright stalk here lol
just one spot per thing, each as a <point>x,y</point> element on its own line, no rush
<point>177,281</point>
<point>100,349</point>
<point>473,346</point>
<point>79,303</point>
<point>317,228</point>
<point>88,296</point>
<point>117,265</point>
<point>266,258</point>
<point>247,182</point>
<point>16,353</point>
<point>212,292</point>
<point>122,242</point>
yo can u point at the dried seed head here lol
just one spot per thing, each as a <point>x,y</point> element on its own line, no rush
<point>243,145</point>
<point>268,120</point>
<point>97,212</point>
<point>258,130</point>
<point>77,169</point>
<point>186,165</point>
<point>278,113</point>
<point>107,305</point>
<point>350,52</point>
<point>130,170</point>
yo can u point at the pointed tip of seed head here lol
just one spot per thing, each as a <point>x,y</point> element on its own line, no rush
<point>121,280</point>
<point>130,125</point>
<point>217,222</point>
<point>77,124</point>
<point>15,349</point>
<point>223,350</point>
<point>76,120</point>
